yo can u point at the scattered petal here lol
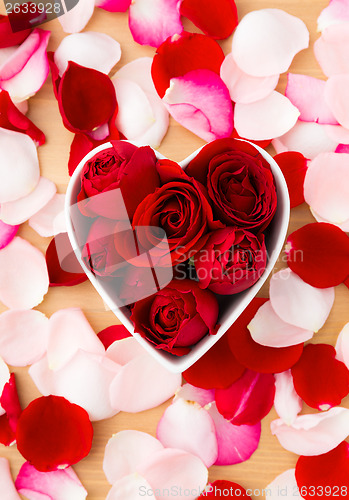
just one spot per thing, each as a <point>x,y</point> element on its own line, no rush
<point>63,267</point>
<point>54,485</point>
<point>221,487</point>
<point>191,393</point>
<point>129,487</point>
<point>4,378</point>
<point>342,345</point>
<point>193,101</point>
<point>12,411</point>
<point>337,96</point>
<point>287,403</point>
<point>298,303</point>
<point>313,434</point>
<point>77,18</point>
<point>285,482</point>
<point>336,12</point>
<point>80,146</point>
<point>114,5</point>
<point>50,220</point>
<point>325,268</point>
<point>7,233</point>
<point>270,117</point>
<point>7,36</point>
<point>7,487</point>
<point>113,333</point>
<point>294,167</point>
<point>23,275</point>
<point>277,37</point>
<point>217,20</point>
<point>331,50</point>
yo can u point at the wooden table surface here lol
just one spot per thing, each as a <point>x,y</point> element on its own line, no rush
<point>270,459</point>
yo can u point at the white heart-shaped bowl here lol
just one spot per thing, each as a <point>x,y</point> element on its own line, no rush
<point>232,306</point>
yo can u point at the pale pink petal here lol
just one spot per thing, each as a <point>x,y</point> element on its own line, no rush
<point>332,50</point>
<point>342,345</point>
<point>7,233</point>
<point>23,275</point>
<point>125,350</point>
<point>268,118</point>
<point>344,226</point>
<point>4,378</point>
<point>50,220</point>
<point>286,485</point>
<point>196,394</point>
<point>326,186</point>
<point>43,377</point>
<point>313,434</point>
<point>6,53</point>
<point>89,49</point>
<point>70,331</point>
<point>339,134</point>
<point>19,165</point>
<point>267,328</point>
<point>139,72</point>
<point>18,211</point>
<point>125,451</point>
<point>23,336</point>
<point>265,41</point>
<point>236,443</point>
<point>168,469</point>
<point>287,403</point>
<point>131,486</point>
<point>113,5</point>
<point>141,384</point>
<point>153,21</point>
<point>336,12</point>
<point>7,488</point>
<point>76,19</point>
<point>22,106</point>
<point>26,70</point>
<point>61,484</point>
<point>244,88</point>
<point>307,138</point>
<point>337,98</point>
<point>189,427</point>
<point>193,101</point>
<point>308,95</point>
<point>298,303</point>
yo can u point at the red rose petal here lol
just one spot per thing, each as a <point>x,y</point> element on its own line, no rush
<point>294,167</point>
<point>183,53</point>
<point>7,37</point>
<point>59,276</point>
<point>80,146</point>
<point>319,254</point>
<point>216,19</point>
<point>247,400</point>
<point>224,489</point>
<point>10,403</point>
<point>53,433</point>
<point>218,368</point>
<point>319,378</point>
<point>255,356</point>
<point>326,474</point>
<point>112,333</point>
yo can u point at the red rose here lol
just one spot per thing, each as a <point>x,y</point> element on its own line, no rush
<point>231,261</point>
<point>177,317</point>
<point>239,182</point>
<point>122,176</point>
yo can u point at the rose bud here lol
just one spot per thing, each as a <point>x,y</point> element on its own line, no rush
<point>232,260</point>
<point>122,176</point>
<point>177,317</point>
<point>239,182</point>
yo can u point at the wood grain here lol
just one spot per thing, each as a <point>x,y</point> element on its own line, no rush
<point>270,459</point>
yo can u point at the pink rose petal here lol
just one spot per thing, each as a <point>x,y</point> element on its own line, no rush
<point>125,350</point>
<point>130,486</point>
<point>50,220</point>
<point>196,394</point>
<point>114,5</point>
<point>285,483</point>
<point>342,345</point>
<point>336,12</point>
<point>332,50</point>
<point>26,70</point>
<point>23,336</point>
<point>76,19</point>
<point>153,21</point>
<point>270,117</point>
<point>326,187</point>
<point>268,329</point>
<point>338,133</point>
<point>61,484</point>
<point>236,443</point>
<point>308,95</point>
<point>18,211</point>
<point>90,49</point>
<point>19,165</point>
<point>193,101</point>
<point>125,451</point>
<point>298,303</point>
<point>7,233</point>
<point>244,88</point>
<point>307,138</point>
<point>265,41</point>
<point>313,434</point>
<point>189,427</point>
<point>7,488</point>
<point>23,275</point>
<point>342,148</point>
<point>337,98</point>
<point>287,403</point>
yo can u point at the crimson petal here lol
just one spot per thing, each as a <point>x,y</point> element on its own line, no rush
<point>216,19</point>
<point>224,489</point>
<point>319,254</point>
<point>10,403</point>
<point>80,146</point>
<point>182,53</point>
<point>319,378</point>
<point>294,167</point>
<point>113,333</point>
<point>7,37</point>
<point>255,356</point>
<point>57,275</point>
<point>216,369</point>
<point>53,433</point>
